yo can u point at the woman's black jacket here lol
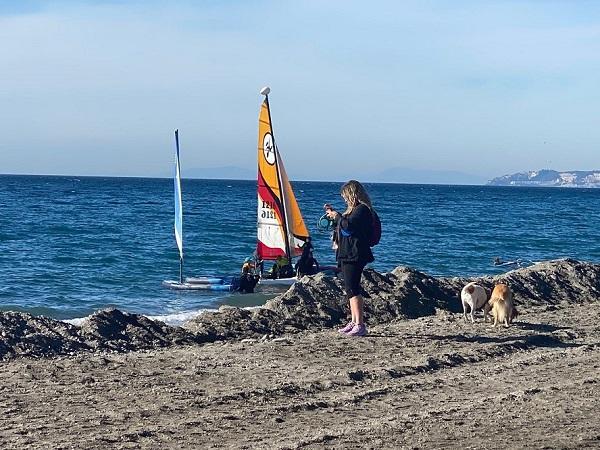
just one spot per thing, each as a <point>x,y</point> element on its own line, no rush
<point>353,233</point>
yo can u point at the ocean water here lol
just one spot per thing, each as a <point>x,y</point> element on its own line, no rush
<point>72,245</point>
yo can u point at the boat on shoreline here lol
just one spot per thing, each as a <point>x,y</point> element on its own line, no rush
<point>281,235</point>
<point>281,231</point>
<point>209,282</point>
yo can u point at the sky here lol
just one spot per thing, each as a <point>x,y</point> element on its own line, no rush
<point>483,88</point>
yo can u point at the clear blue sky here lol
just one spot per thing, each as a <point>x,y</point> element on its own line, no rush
<point>482,87</point>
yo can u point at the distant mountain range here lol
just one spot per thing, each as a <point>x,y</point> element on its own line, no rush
<point>391,175</point>
<point>425,176</point>
<point>550,178</point>
<point>221,173</point>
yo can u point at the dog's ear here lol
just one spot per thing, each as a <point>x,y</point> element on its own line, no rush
<point>470,289</point>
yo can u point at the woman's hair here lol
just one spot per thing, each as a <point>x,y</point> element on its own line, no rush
<point>354,193</point>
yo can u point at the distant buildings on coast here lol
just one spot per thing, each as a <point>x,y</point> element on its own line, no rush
<point>550,178</point>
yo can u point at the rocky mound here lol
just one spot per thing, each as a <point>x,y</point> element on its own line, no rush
<point>318,301</point>
<point>107,330</point>
<point>315,302</point>
<point>24,335</point>
<point>111,329</point>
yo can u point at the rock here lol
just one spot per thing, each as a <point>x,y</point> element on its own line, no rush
<point>111,329</point>
<point>88,379</point>
<point>236,323</point>
<point>26,335</point>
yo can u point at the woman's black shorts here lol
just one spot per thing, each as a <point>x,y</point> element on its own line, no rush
<point>352,271</point>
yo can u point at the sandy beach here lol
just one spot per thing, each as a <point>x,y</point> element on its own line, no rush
<point>432,381</point>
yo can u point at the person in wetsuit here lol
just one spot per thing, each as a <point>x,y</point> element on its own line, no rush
<point>248,279</point>
<point>307,264</point>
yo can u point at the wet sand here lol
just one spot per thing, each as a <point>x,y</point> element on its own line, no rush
<point>430,382</point>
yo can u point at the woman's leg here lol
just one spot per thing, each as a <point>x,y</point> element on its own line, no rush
<point>353,311</point>
<point>357,307</point>
<point>352,273</point>
<point>347,274</point>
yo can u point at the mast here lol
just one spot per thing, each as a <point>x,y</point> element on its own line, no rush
<point>265,91</point>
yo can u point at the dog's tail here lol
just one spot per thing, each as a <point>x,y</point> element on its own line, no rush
<point>470,288</point>
<point>514,314</point>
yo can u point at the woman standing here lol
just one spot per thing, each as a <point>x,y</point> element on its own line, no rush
<point>354,228</point>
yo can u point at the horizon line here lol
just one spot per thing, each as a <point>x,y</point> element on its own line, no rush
<point>156,177</point>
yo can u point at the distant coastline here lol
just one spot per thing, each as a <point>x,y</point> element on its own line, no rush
<point>550,178</point>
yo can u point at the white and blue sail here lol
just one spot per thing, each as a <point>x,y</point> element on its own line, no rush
<point>178,201</point>
<point>193,283</point>
<point>178,207</point>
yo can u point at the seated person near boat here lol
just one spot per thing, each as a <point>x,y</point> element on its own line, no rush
<point>281,269</point>
<point>307,264</point>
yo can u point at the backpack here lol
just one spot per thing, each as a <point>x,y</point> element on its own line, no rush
<point>375,236</point>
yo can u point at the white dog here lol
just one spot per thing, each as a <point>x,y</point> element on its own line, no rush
<point>474,296</point>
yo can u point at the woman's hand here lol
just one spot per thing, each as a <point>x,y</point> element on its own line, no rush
<point>331,213</point>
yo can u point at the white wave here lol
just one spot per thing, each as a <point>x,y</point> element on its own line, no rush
<point>179,318</point>
<point>78,321</point>
<point>174,319</point>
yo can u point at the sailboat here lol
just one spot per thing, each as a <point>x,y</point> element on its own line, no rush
<point>281,231</point>
<point>197,283</point>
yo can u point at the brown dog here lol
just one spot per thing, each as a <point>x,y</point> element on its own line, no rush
<point>502,305</point>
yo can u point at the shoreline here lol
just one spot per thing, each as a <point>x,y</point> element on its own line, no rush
<point>313,303</point>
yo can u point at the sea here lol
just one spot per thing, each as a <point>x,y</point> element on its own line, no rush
<point>70,246</point>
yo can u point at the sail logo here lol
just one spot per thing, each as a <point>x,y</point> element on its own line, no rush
<point>269,149</point>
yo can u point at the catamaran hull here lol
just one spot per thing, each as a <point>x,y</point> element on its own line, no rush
<point>205,280</point>
<point>328,270</point>
<point>277,281</point>
<point>187,286</point>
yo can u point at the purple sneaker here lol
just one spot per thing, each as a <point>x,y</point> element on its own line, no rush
<point>358,330</point>
<point>347,328</point>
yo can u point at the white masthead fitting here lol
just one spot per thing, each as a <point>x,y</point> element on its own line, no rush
<point>265,90</point>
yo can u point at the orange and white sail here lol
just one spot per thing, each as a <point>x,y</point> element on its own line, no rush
<point>280,229</point>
